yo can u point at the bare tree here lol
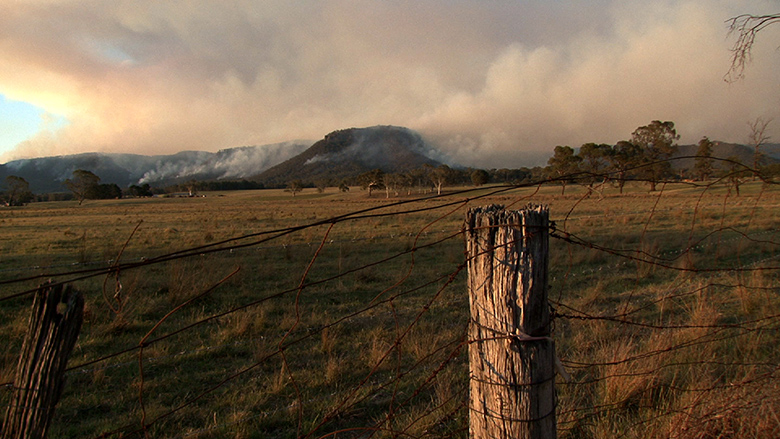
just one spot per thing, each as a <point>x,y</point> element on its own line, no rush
<point>294,187</point>
<point>735,174</point>
<point>758,138</point>
<point>192,187</point>
<point>745,26</point>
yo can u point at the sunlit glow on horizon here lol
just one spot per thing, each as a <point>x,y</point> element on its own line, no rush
<point>21,121</point>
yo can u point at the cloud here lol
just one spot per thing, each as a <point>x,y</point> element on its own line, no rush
<point>492,83</point>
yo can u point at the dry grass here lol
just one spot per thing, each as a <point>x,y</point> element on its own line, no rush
<point>660,352</point>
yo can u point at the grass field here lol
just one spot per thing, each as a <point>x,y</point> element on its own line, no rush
<point>666,302</point>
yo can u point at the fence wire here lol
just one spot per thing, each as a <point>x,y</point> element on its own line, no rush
<point>665,311</point>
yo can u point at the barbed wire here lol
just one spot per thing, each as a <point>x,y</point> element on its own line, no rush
<point>404,414</point>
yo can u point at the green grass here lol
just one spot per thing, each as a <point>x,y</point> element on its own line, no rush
<point>375,337</point>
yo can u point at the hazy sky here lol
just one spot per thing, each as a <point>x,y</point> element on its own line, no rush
<point>493,82</point>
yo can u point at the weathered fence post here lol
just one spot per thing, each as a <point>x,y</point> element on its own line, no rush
<point>51,334</point>
<point>511,356</point>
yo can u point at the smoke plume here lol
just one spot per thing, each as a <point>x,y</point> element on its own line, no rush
<point>492,84</point>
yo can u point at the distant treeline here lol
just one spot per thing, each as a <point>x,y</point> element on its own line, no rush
<point>648,157</point>
<point>425,177</point>
<point>431,176</point>
<point>212,185</point>
<point>645,157</point>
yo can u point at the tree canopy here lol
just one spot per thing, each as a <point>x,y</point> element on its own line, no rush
<point>658,142</point>
<point>623,158</point>
<point>480,177</point>
<point>646,156</point>
<point>17,192</point>
<point>82,183</point>
<point>86,186</point>
<point>563,165</point>
<point>703,164</point>
<point>593,160</point>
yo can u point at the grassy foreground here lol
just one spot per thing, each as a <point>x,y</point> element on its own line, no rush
<point>667,312</point>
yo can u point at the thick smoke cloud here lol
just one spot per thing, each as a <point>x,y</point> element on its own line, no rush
<point>491,83</point>
<point>234,163</point>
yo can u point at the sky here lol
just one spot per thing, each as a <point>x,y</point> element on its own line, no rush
<point>492,83</point>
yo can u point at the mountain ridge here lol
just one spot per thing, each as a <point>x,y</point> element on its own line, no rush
<point>47,174</point>
<point>340,154</point>
<point>724,150</point>
<point>347,153</point>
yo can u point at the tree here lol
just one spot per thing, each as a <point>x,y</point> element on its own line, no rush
<point>83,184</point>
<point>623,158</point>
<point>757,139</point>
<point>771,172</point>
<point>480,177</point>
<point>105,192</point>
<point>395,183</point>
<point>321,184</point>
<point>746,26</point>
<point>502,175</point>
<point>703,164</point>
<point>418,177</point>
<point>440,176</point>
<point>592,158</point>
<point>736,173</point>
<point>459,176</point>
<point>294,187</point>
<point>371,180</point>
<point>18,193</point>
<point>563,165</point>
<point>657,142</point>
<point>192,187</point>
<point>515,176</point>
<point>141,191</point>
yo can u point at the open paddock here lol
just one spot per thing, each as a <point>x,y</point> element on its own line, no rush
<point>334,312</point>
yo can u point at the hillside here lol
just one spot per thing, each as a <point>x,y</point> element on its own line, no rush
<point>342,154</point>
<point>350,152</point>
<point>47,174</point>
<point>725,150</point>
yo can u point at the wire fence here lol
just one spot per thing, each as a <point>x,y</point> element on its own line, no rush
<point>665,316</point>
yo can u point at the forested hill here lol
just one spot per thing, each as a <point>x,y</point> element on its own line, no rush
<point>47,174</point>
<point>340,155</point>
<point>347,153</point>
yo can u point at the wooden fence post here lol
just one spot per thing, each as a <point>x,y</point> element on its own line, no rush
<point>511,356</point>
<point>51,334</point>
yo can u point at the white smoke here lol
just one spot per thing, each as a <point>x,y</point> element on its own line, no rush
<point>232,163</point>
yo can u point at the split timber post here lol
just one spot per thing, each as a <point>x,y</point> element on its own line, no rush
<point>51,335</point>
<point>511,354</point>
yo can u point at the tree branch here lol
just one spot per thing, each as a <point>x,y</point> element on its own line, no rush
<point>746,26</point>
